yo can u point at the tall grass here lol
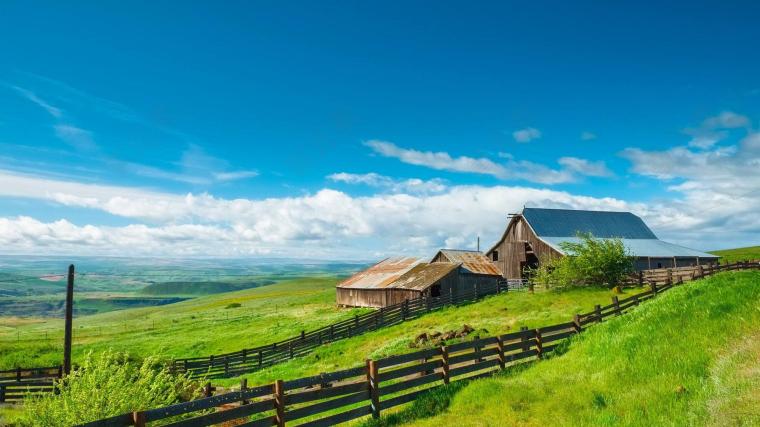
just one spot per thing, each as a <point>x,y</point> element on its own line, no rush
<point>689,357</point>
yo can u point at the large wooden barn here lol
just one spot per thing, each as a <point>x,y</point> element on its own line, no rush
<point>535,235</point>
<point>393,280</point>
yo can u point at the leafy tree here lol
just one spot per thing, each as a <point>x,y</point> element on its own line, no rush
<point>106,385</point>
<point>589,262</point>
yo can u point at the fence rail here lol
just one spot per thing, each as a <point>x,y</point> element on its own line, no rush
<point>15,384</point>
<point>251,359</point>
<point>378,385</point>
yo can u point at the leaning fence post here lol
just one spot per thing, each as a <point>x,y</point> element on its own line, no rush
<point>445,363</point>
<point>138,419</point>
<point>279,403</point>
<point>374,388</point>
<point>616,302</point>
<point>598,312</point>
<point>539,344</point>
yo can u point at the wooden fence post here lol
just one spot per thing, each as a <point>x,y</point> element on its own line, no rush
<point>279,403</point>
<point>654,288</point>
<point>636,299</point>
<point>641,278</point>
<point>18,373</point>
<point>138,419</point>
<point>2,393</point>
<point>374,388</point>
<point>500,347</point>
<point>332,332</point>
<point>524,339</point>
<point>243,388</point>
<point>577,323</point>
<point>445,363</point>
<point>477,347</point>
<point>670,277</point>
<point>290,349</point>
<point>261,358</point>
<point>226,366</point>
<point>303,335</point>
<point>207,390</point>
<point>617,305</point>
<point>539,345</point>
<point>598,312</point>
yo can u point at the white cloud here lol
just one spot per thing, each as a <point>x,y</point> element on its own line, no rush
<point>79,138</point>
<point>327,223</point>
<point>438,160</point>
<point>713,129</point>
<point>411,185</point>
<point>195,166</point>
<point>585,167</point>
<point>716,186</point>
<point>526,135</point>
<point>234,175</point>
<point>572,169</point>
<point>31,96</point>
<point>587,136</point>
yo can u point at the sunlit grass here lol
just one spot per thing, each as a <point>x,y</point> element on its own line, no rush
<point>689,357</point>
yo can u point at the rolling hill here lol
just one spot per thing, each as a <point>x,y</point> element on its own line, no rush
<point>688,357</point>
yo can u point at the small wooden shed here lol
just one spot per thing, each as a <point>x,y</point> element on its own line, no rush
<point>393,280</point>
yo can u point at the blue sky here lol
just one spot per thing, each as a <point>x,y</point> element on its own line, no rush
<point>351,130</point>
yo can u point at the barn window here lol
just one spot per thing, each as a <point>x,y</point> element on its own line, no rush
<point>495,256</point>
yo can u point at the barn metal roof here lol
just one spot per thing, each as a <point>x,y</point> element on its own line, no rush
<point>472,261</point>
<point>424,275</point>
<point>652,248</point>
<point>382,274</point>
<point>568,223</point>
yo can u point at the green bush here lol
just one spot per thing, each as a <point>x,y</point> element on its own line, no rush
<point>106,385</point>
<point>233,305</point>
<point>590,261</point>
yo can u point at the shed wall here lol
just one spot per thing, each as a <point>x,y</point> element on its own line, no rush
<point>512,248</point>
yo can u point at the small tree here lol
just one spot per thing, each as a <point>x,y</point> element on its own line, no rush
<point>590,261</point>
<point>106,385</point>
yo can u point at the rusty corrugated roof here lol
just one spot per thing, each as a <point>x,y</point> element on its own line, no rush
<point>472,261</point>
<point>424,275</point>
<point>382,274</point>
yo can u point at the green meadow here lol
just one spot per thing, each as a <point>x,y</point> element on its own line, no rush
<point>689,357</point>
<point>738,254</point>
<point>195,327</point>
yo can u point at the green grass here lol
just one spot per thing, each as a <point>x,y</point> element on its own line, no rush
<point>689,357</point>
<point>196,327</point>
<point>738,254</point>
<point>495,315</point>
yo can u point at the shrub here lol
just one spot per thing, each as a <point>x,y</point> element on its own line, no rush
<point>233,305</point>
<point>590,261</point>
<point>106,385</point>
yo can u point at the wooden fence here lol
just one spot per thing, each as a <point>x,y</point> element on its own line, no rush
<point>663,276</point>
<point>341,396</point>
<point>251,359</point>
<point>16,383</point>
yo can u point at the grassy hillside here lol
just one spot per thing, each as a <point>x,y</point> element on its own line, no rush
<point>194,327</point>
<point>738,254</point>
<point>496,314</point>
<point>688,357</point>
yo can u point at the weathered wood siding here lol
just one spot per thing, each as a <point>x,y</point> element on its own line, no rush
<point>512,248</point>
